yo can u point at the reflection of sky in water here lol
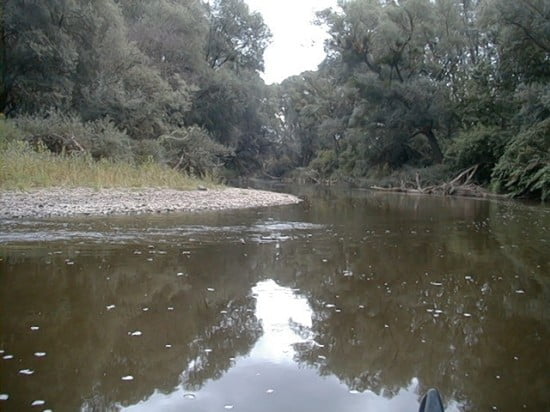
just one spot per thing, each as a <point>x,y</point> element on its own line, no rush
<point>268,379</point>
<point>276,308</point>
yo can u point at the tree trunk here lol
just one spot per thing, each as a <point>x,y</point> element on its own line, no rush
<point>3,85</point>
<point>437,156</point>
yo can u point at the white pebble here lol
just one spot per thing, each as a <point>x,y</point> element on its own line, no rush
<point>38,402</point>
<point>4,396</point>
<point>26,371</point>
<point>39,354</point>
<point>127,378</point>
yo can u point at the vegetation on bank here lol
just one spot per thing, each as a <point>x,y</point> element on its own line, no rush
<point>23,167</point>
<point>417,84</point>
<point>408,90</point>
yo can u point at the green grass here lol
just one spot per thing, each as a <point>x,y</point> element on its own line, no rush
<point>22,168</point>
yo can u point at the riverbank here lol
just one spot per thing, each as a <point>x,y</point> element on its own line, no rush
<point>84,201</point>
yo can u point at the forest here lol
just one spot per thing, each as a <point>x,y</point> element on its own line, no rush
<point>409,89</point>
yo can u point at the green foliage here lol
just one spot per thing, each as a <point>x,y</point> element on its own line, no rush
<point>193,151</point>
<point>22,167</point>
<point>482,146</point>
<point>325,163</point>
<point>177,82</point>
<point>524,169</point>
<point>280,166</point>
<point>147,150</point>
<point>8,132</point>
<point>237,37</point>
<point>109,71</point>
<point>100,138</point>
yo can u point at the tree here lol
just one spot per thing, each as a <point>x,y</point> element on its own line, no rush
<point>236,37</point>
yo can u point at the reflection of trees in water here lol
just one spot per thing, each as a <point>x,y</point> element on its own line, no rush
<point>438,303</point>
<point>89,347</point>
<point>212,352</point>
<point>382,264</point>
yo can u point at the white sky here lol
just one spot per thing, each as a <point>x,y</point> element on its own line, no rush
<point>297,44</point>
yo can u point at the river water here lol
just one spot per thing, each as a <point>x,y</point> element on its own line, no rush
<point>349,301</point>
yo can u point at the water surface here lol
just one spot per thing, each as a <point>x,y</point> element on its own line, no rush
<point>350,301</point>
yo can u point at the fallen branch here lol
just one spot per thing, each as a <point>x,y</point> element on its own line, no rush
<point>459,186</point>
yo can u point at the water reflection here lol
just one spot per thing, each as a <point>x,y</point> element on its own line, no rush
<point>268,376</point>
<point>351,301</point>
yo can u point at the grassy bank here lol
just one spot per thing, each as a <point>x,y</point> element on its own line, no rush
<point>23,168</point>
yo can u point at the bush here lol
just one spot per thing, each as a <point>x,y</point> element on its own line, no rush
<point>193,151</point>
<point>279,166</point>
<point>24,168</point>
<point>100,138</point>
<point>8,132</point>
<point>147,150</point>
<point>524,168</point>
<point>325,163</point>
<point>481,146</point>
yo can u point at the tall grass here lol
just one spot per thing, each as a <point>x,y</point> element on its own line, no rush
<point>23,168</point>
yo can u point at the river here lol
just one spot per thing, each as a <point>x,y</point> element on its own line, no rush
<point>350,301</point>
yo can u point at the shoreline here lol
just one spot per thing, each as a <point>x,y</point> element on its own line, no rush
<point>56,202</point>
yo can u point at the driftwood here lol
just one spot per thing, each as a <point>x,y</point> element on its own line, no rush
<point>461,185</point>
<point>56,143</point>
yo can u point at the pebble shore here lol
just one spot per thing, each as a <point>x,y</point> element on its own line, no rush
<point>83,201</point>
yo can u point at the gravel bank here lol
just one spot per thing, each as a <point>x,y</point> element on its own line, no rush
<point>72,202</point>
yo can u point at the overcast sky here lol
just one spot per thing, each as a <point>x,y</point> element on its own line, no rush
<point>297,44</point>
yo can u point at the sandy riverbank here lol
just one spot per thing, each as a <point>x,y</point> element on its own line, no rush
<point>83,201</point>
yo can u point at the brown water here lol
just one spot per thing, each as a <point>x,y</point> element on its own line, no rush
<point>350,301</point>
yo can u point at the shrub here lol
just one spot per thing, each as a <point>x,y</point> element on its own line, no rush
<point>193,151</point>
<point>100,138</point>
<point>148,150</point>
<point>8,132</point>
<point>325,163</point>
<point>524,168</point>
<point>481,146</point>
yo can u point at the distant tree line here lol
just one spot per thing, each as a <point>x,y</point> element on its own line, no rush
<point>418,83</point>
<point>436,86</point>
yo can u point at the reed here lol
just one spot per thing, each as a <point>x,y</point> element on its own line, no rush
<point>23,168</point>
